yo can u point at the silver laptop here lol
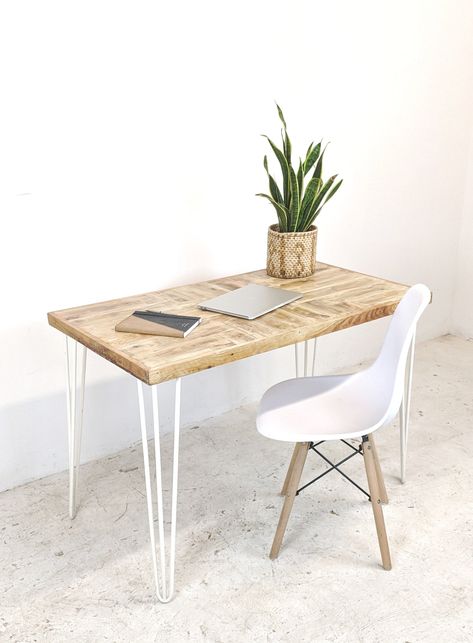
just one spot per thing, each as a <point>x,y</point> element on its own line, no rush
<point>250,301</point>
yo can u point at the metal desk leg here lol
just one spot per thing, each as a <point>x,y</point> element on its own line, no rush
<point>164,588</point>
<point>405,409</point>
<point>76,357</point>
<point>310,346</point>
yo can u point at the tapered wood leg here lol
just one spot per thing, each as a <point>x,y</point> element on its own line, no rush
<point>379,474</point>
<point>376,502</point>
<point>293,483</point>
<point>290,468</point>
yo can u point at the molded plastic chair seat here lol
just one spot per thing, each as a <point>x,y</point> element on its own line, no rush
<point>321,408</point>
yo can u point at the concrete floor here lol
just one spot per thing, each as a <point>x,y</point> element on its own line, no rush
<point>90,580</point>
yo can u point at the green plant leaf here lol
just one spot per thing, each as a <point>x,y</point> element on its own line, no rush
<point>294,206</point>
<point>309,150</point>
<point>281,116</point>
<point>311,158</point>
<point>274,189</point>
<point>284,169</point>
<point>320,200</point>
<point>286,146</point>
<point>273,186</point>
<point>329,196</point>
<point>310,194</point>
<point>300,178</point>
<point>286,141</point>
<point>281,211</point>
<point>323,191</point>
<point>318,168</point>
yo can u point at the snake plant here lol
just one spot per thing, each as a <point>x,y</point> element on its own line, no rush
<point>296,206</point>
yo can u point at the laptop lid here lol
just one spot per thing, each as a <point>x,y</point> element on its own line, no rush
<point>250,301</point>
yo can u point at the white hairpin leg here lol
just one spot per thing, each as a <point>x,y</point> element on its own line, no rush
<point>76,357</point>
<point>308,361</point>
<point>405,409</point>
<point>164,587</point>
<point>314,354</point>
<point>296,358</point>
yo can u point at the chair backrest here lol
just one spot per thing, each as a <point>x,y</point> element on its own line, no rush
<point>388,372</point>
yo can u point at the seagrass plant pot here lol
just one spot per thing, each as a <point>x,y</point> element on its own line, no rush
<point>291,255</point>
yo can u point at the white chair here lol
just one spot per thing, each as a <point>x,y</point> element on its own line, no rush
<point>312,410</point>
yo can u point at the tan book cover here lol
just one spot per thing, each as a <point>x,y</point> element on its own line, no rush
<point>155,323</point>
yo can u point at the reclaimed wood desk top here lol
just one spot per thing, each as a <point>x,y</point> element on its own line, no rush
<point>333,298</point>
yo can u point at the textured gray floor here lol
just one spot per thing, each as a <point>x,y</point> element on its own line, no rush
<point>90,580</point>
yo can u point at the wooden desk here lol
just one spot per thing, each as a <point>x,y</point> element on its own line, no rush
<point>333,299</point>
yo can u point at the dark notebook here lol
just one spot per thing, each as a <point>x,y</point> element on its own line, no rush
<point>151,322</point>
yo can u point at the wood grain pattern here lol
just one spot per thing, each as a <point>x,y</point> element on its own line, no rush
<point>333,299</point>
<point>373,486</point>
<point>383,494</point>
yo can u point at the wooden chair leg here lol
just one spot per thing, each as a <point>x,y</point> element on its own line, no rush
<point>379,474</point>
<point>290,468</point>
<point>292,485</point>
<point>376,502</point>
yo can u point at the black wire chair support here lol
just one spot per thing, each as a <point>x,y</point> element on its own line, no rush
<point>335,466</point>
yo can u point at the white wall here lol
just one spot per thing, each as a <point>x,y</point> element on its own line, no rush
<point>130,155</point>
<point>462,322</point>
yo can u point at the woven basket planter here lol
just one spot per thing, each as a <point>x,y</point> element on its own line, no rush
<point>291,255</point>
